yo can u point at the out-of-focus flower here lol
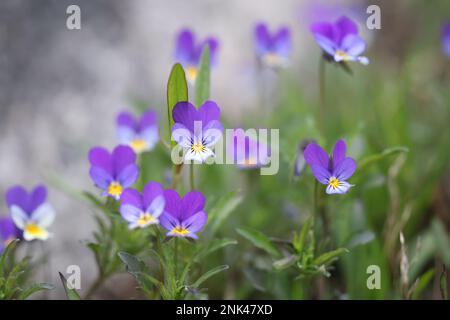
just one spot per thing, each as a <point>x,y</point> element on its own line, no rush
<point>274,49</point>
<point>248,152</point>
<point>142,210</point>
<point>446,39</point>
<point>300,162</point>
<point>30,211</point>
<point>333,171</point>
<point>140,134</point>
<point>340,40</point>
<point>113,172</point>
<point>8,232</point>
<point>197,130</point>
<point>188,52</point>
<point>183,217</point>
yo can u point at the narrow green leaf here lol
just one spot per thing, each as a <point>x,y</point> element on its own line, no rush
<point>259,240</point>
<point>203,78</point>
<point>35,288</point>
<point>284,263</point>
<point>209,274</point>
<point>216,244</point>
<point>71,294</point>
<point>299,241</point>
<point>330,256</point>
<point>380,156</point>
<point>222,210</point>
<point>137,268</point>
<point>177,91</point>
<point>443,284</point>
<point>422,283</point>
<point>5,254</point>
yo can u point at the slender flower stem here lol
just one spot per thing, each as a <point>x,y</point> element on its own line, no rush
<point>191,176</point>
<point>175,253</point>
<point>322,100</point>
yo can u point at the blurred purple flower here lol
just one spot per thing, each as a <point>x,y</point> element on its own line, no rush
<point>248,152</point>
<point>300,162</point>
<point>30,211</point>
<point>183,217</point>
<point>272,49</point>
<point>142,210</point>
<point>197,130</point>
<point>140,134</point>
<point>333,171</point>
<point>188,52</point>
<point>113,172</point>
<point>8,232</point>
<point>446,38</point>
<point>340,40</point>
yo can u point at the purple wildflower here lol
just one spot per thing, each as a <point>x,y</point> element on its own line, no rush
<point>333,171</point>
<point>188,52</point>
<point>183,217</point>
<point>340,40</point>
<point>142,210</point>
<point>113,172</point>
<point>247,151</point>
<point>140,134</point>
<point>272,49</point>
<point>446,39</point>
<point>30,211</point>
<point>8,232</point>
<point>197,130</point>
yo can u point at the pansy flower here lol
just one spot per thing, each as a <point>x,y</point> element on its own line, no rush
<point>183,217</point>
<point>446,39</point>
<point>30,211</point>
<point>8,232</point>
<point>140,134</point>
<point>197,130</point>
<point>142,210</point>
<point>247,151</point>
<point>113,172</point>
<point>331,171</point>
<point>340,40</point>
<point>188,52</point>
<point>272,49</point>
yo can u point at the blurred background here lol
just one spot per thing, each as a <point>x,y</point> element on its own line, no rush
<point>61,89</point>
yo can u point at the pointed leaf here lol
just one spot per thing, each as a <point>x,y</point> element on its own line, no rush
<point>71,294</point>
<point>209,274</point>
<point>203,78</point>
<point>259,240</point>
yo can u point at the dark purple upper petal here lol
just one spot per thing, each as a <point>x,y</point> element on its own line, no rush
<point>18,196</point>
<point>151,191</point>
<point>193,202</point>
<point>345,169</point>
<point>100,157</point>
<point>213,49</point>
<point>173,203</point>
<point>338,152</point>
<point>208,111</point>
<point>446,38</point>
<point>282,42</point>
<point>262,39</point>
<point>344,27</point>
<point>148,119</point>
<point>126,119</point>
<point>315,155</point>
<point>7,229</point>
<point>133,198</point>
<point>185,113</point>
<point>122,157</point>
<point>185,47</point>
<point>37,197</point>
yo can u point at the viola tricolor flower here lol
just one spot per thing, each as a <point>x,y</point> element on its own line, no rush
<point>196,130</point>
<point>8,232</point>
<point>247,151</point>
<point>188,52</point>
<point>340,40</point>
<point>140,134</point>
<point>183,217</point>
<point>333,171</point>
<point>446,39</point>
<point>30,211</point>
<point>113,172</point>
<point>142,210</point>
<point>272,49</point>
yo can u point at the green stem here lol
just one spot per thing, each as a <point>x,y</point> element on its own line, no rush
<point>322,100</point>
<point>191,176</point>
<point>175,258</point>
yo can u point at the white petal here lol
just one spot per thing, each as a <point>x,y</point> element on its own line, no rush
<point>19,217</point>
<point>43,216</point>
<point>343,188</point>
<point>156,208</point>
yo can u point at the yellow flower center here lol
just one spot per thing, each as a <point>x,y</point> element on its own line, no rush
<point>249,162</point>
<point>145,219</point>
<point>180,231</point>
<point>115,189</point>
<point>138,145</point>
<point>271,59</point>
<point>334,183</point>
<point>341,54</point>
<point>34,230</point>
<point>198,147</point>
<point>192,73</point>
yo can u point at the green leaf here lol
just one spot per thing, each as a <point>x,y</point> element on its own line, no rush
<point>209,274</point>
<point>71,294</point>
<point>284,263</point>
<point>443,284</point>
<point>222,210</point>
<point>422,283</point>
<point>299,241</point>
<point>6,253</point>
<point>259,240</point>
<point>177,91</point>
<point>330,256</point>
<point>35,288</point>
<point>203,78</point>
<point>137,268</point>
<point>380,156</point>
